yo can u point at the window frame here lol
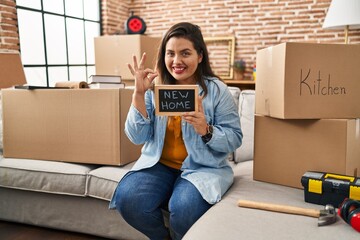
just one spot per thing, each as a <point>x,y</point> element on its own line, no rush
<point>65,17</point>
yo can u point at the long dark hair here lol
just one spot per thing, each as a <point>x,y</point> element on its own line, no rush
<point>192,33</point>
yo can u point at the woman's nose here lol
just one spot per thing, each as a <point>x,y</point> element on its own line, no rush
<point>177,59</point>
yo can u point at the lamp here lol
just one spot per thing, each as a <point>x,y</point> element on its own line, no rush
<point>343,14</point>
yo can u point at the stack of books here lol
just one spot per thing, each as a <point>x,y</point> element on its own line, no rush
<point>106,81</point>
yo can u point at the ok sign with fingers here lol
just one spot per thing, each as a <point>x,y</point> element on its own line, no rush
<point>143,81</point>
<point>143,77</point>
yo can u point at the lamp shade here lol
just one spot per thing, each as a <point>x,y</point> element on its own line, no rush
<point>343,13</point>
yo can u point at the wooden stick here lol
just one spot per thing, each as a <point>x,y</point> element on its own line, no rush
<point>279,208</point>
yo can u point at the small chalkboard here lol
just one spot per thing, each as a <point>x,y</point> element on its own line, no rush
<point>172,100</point>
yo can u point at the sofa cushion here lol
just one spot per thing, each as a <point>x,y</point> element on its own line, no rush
<point>102,181</point>
<point>225,220</point>
<point>44,176</point>
<point>235,92</point>
<point>246,111</point>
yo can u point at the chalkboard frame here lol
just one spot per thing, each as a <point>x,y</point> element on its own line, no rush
<point>195,88</point>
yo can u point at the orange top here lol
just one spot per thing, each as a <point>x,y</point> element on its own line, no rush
<point>174,151</point>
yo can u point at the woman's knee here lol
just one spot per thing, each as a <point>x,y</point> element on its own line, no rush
<point>186,206</point>
<point>124,199</point>
<point>129,200</point>
<point>182,210</point>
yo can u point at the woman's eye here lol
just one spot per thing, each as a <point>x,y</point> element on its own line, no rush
<point>185,54</point>
<point>170,54</point>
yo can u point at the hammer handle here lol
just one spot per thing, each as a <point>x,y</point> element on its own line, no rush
<point>279,208</point>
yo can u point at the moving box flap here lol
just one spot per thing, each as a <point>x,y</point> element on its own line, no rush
<point>11,70</point>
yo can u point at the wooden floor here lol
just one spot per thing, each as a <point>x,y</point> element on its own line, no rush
<point>16,231</point>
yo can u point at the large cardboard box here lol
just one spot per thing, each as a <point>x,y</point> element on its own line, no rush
<point>71,125</point>
<point>113,53</point>
<point>11,70</point>
<point>285,149</point>
<point>308,81</point>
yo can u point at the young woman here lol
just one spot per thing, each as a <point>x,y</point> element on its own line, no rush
<point>183,167</point>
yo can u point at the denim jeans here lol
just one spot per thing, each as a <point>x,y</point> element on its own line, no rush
<point>141,196</point>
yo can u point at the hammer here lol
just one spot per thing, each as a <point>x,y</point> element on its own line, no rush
<point>326,216</point>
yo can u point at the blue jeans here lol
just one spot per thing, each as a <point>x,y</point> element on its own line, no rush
<point>141,196</point>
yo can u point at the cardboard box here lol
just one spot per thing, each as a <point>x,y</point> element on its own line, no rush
<point>113,53</point>
<point>70,125</point>
<point>285,149</point>
<point>308,81</point>
<point>11,70</point>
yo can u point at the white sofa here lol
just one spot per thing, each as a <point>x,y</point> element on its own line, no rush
<point>75,197</point>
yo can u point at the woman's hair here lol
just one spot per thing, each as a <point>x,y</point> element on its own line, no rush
<point>192,33</point>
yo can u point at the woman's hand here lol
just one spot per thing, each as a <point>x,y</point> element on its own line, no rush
<point>143,77</point>
<point>197,119</point>
<point>143,81</point>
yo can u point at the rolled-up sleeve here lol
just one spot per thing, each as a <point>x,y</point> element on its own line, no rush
<point>138,128</point>
<point>227,135</point>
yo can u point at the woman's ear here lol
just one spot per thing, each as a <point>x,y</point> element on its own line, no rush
<point>200,58</point>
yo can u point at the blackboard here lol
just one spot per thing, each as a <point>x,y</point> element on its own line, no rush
<point>172,100</point>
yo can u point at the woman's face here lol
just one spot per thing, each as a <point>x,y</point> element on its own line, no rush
<point>181,60</point>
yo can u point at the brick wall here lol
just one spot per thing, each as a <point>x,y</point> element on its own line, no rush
<point>114,15</point>
<point>9,37</point>
<point>255,23</point>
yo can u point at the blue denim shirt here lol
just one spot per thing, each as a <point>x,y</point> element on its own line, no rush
<point>206,165</point>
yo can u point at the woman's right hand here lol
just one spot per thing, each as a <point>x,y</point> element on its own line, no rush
<point>143,77</point>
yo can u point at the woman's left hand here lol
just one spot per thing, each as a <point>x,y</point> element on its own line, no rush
<point>197,119</point>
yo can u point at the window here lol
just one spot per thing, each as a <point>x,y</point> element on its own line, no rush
<point>57,39</point>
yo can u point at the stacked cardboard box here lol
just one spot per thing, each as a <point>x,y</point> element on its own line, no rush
<point>307,105</point>
<point>112,53</point>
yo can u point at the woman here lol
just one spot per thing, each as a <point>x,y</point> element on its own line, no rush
<point>183,166</point>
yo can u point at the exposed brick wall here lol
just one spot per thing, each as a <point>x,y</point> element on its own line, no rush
<point>256,24</point>
<point>9,37</point>
<point>114,15</point>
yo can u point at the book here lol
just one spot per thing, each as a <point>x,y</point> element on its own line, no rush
<point>105,79</point>
<point>97,85</point>
<point>32,87</point>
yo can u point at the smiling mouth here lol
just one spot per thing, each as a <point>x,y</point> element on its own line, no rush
<point>178,70</point>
